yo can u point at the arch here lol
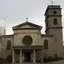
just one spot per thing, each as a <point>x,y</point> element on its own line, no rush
<point>45,44</point>
<point>55,21</point>
<point>8,45</point>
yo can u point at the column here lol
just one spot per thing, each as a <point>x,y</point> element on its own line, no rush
<point>34,59</point>
<point>42,55</point>
<point>20,56</point>
<point>13,58</point>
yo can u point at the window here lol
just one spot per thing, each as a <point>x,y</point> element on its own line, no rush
<point>54,12</point>
<point>55,21</point>
<point>45,44</point>
<point>27,40</point>
<point>55,55</point>
<point>8,45</point>
<point>47,24</point>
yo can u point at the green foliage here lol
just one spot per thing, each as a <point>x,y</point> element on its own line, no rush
<point>9,58</point>
<point>2,60</point>
<point>54,58</point>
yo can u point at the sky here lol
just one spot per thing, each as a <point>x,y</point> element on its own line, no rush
<point>15,12</point>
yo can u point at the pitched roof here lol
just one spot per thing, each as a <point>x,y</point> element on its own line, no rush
<point>27,23</point>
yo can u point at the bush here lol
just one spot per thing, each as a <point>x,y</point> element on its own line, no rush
<point>2,60</point>
<point>50,59</point>
<point>9,58</point>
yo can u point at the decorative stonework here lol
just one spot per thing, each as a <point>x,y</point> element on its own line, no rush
<point>27,40</point>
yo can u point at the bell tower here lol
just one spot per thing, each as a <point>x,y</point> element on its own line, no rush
<point>53,20</point>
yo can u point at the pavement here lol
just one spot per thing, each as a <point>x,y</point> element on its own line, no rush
<point>55,62</point>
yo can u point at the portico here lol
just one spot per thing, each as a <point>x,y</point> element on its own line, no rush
<point>27,54</point>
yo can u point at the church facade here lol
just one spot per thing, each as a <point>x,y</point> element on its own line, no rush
<point>29,45</point>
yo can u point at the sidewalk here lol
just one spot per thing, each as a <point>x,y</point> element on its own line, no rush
<point>56,62</point>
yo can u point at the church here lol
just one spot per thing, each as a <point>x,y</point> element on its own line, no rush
<point>29,46</point>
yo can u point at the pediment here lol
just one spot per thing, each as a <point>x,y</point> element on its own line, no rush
<point>27,25</point>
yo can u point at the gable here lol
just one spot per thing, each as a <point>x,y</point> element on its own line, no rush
<point>27,25</point>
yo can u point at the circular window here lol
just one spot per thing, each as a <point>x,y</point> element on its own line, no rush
<point>27,40</point>
<point>54,12</point>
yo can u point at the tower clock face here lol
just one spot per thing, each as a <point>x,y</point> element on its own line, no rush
<point>27,40</point>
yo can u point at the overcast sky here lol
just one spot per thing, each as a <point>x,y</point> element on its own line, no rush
<point>16,11</point>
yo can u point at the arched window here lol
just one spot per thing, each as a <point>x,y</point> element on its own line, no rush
<point>55,21</point>
<point>8,45</point>
<point>45,44</point>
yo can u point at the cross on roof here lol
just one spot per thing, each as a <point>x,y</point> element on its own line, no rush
<point>26,19</point>
<point>52,2</point>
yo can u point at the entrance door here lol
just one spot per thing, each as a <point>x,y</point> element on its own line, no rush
<point>27,57</point>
